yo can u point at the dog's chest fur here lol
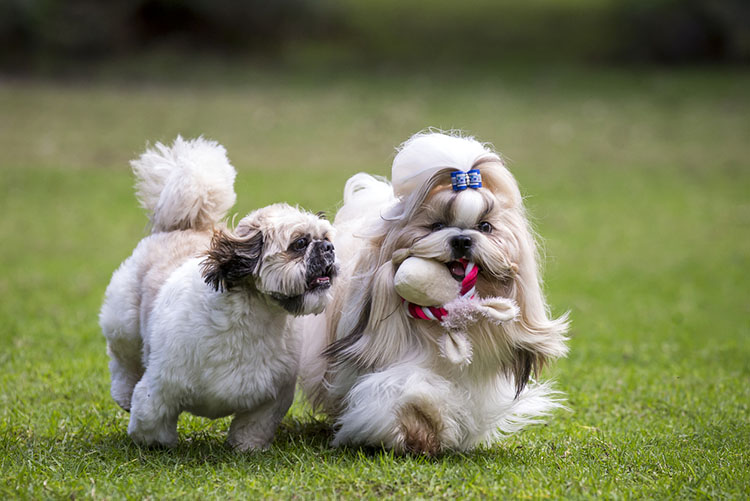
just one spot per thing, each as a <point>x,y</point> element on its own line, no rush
<point>240,370</point>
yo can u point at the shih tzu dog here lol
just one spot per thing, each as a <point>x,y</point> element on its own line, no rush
<point>198,318</point>
<point>453,370</point>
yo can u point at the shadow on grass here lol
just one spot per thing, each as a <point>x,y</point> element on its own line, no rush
<point>497,454</point>
<point>294,437</point>
<point>314,434</point>
<point>298,441</point>
<point>194,448</point>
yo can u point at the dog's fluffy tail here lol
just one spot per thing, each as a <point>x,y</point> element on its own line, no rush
<point>365,196</point>
<point>189,185</point>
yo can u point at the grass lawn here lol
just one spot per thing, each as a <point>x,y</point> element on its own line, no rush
<point>638,181</point>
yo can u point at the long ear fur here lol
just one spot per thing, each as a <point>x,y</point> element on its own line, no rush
<point>536,337</point>
<point>379,335</point>
<point>231,258</point>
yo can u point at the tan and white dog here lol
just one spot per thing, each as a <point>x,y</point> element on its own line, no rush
<point>198,318</point>
<point>420,385</point>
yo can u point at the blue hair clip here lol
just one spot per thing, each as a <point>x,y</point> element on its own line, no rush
<point>475,179</point>
<point>459,180</point>
<point>462,180</point>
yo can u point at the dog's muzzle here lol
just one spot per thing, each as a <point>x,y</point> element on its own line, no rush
<point>461,246</point>
<point>321,265</point>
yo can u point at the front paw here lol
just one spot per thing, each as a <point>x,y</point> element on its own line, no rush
<point>153,438</point>
<point>246,444</point>
<point>418,430</point>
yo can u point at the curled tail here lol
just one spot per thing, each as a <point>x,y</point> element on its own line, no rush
<point>365,196</point>
<point>189,185</point>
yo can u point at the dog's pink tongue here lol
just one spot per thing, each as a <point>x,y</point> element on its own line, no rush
<point>457,269</point>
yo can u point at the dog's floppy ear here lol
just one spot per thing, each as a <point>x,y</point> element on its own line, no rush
<point>231,258</point>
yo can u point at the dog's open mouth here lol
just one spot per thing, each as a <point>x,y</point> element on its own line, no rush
<point>457,269</point>
<point>463,271</point>
<point>321,282</point>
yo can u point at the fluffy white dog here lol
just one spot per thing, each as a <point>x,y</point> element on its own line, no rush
<point>198,318</point>
<point>428,378</point>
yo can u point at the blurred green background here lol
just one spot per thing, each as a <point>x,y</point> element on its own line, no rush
<point>626,124</point>
<point>37,33</point>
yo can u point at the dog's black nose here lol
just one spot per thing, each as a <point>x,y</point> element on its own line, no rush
<point>461,245</point>
<point>325,250</point>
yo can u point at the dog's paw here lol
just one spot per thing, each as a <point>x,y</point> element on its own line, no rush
<point>418,431</point>
<point>248,445</point>
<point>155,439</point>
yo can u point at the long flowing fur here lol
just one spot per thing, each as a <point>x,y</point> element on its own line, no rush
<point>382,375</point>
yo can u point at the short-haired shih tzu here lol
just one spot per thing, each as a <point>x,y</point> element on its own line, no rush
<point>407,359</point>
<point>198,318</point>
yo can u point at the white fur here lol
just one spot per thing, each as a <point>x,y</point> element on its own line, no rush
<point>213,354</point>
<point>424,153</point>
<point>188,184</point>
<point>467,206</point>
<point>182,333</point>
<point>416,385</point>
<point>469,412</point>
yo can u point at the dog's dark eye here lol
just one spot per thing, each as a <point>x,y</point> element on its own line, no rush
<point>300,244</point>
<point>437,226</point>
<point>484,227</point>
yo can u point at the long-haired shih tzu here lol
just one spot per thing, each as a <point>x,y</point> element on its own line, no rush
<point>198,318</point>
<point>438,319</point>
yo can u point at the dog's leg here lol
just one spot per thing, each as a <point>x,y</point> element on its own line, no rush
<point>419,429</point>
<point>254,429</point>
<point>119,320</point>
<point>404,408</point>
<point>153,419</point>
<point>126,370</point>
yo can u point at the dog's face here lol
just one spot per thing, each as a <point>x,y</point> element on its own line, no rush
<point>278,251</point>
<point>486,226</point>
<point>483,226</point>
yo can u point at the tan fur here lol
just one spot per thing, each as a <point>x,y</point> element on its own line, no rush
<point>155,258</point>
<point>420,432</point>
<point>165,252</point>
